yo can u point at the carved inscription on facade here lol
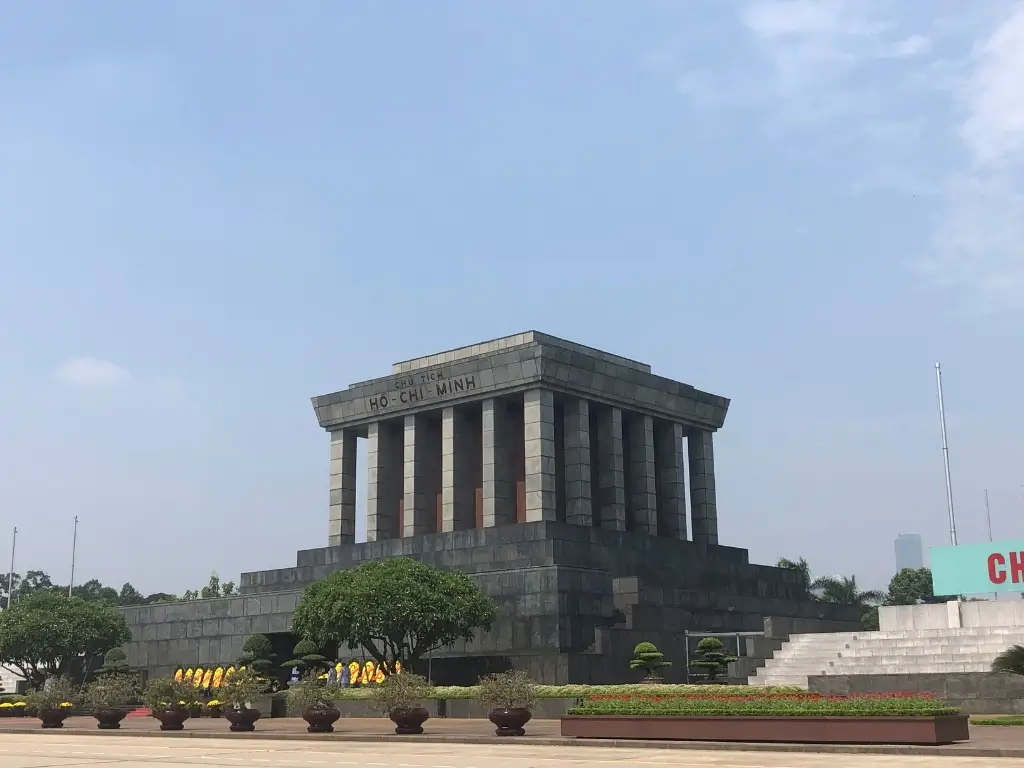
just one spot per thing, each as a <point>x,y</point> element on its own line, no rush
<point>417,388</point>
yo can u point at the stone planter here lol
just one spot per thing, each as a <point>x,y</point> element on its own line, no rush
<point>242,720</point>
<point>109,718</point>
<point>53,718</point>
<point>510,722</point>
<point>945,729</point>
<point>409,720</point>
<point>172,718</point>
<point>321,720</point>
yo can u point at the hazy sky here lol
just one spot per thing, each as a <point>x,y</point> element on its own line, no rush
<point>211,211</point>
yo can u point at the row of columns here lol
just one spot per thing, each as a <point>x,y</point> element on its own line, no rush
<point>621,472</point>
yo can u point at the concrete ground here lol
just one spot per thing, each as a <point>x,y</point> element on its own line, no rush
<point>18,750</point>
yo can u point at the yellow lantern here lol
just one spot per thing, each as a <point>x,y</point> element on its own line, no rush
<point>178,674</point>
<point>188,675</point>
<point>218,677</point>
<point>207,678</point>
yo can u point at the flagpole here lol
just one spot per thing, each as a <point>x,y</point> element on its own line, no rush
<point>945,458</point>
<point>10,573</point>
<point>74,546</point>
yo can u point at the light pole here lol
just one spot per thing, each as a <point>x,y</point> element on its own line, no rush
<point>945,457</point>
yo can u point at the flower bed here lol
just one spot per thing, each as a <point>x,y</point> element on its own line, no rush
<point>890,718</point>
<point>580,691</point>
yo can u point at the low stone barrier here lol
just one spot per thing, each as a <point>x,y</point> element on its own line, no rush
<point>544,709</point>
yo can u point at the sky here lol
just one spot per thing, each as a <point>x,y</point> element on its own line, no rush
<point>210,212</point>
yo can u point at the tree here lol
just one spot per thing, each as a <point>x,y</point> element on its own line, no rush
<point>800,566</point>
<point>843,589</point>
<point>34,581</point>
<point>257,653</point>
<point>48,634</point>
<point>911,586</point>
<point>94,590</point>
<point>4,588</point>
<point>1011,660</point>
<point>129,595</point>
<point>160,597</point>
<point>647,657</point>
<point>715,659</point>
<point>307,657</point>
<point>397,609</point>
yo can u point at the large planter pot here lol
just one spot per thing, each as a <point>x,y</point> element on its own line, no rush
<point>53,718</point>
<point>409,720</point>
<point>242,720</point>
<point>321,719</point>
<point>109,718</point>
<point>510,722</point>
<point>214,711</point>
<point>945,729</point>
<point>172,719</point>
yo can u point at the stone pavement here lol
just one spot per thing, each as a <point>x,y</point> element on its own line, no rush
<point>19,750</point>
<point>986,741</point>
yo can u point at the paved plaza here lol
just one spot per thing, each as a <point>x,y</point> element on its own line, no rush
<point>52,751</point>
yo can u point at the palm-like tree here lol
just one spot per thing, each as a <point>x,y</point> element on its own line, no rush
<point>843,589</point>
<point>1011,660</point>
<point>803,569</point>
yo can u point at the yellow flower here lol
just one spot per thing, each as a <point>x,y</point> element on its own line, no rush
<point>353,672</point>
<point>19,703</point>
<point>5,705</point>
<point>228,673</point>
<point>197,678</point>
<point>379,677</point>
<point>368,671</point>
<point>65,704</point>
<point>213,703</point>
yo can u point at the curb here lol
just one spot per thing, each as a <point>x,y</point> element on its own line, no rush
<point>712,746</point>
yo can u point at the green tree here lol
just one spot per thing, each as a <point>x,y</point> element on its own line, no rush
<point>844,589</point>
<point>257,654</point>
<point>714,659</point>
<point>801,567</point>
<point>1011,660</point>
<point>94,590</point>
<point>4,588</point>
<point>160,597</point>
<point>129,595</point>
<point>397,609</point>
<point>306,657</point>
<point>911,586</point>
<point>48,634</point>
<point>647,657</point>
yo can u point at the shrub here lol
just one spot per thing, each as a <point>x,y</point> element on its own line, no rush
<point>402,691</point>
<point>114,662</point>
<point>1011,660</point>
<point>306,657</point>
<point>715,659</point>
<point>309,693</point>
<point>244,687</point>
<point>168,693</point>
<point>57,692</point>
<point>257,654</point>
<point>111,690</point>
<point>578,691</point>
<point>647,657</point>
<point>776,705</point>
<point>508,690</point>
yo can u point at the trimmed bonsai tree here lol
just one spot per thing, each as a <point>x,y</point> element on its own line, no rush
<point>257,654</point>
<point>114,662</point>
<point>307,658</point>
<point>714,661</point>
<point>647,657</point>
<point>1011,660</point>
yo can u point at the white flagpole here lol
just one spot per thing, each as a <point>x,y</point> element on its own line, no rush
<point>945,458</point>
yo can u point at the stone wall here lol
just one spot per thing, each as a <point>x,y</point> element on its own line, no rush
<point>982,693</point>
<point>956,614</point>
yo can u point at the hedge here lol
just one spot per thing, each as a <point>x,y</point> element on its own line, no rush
<point>580,691</point>
<point>772,704</point>
<point>997,721</point>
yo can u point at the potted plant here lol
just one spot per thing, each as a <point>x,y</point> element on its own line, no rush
<point>511,695</point>
<point>170,701</point>
<point>244,687</point>
<point>54,703</point>
<point>397,696</point>
<point>647,657</point>
<point>108,697</point>
<point>314,702</point>
<point>213,708</point>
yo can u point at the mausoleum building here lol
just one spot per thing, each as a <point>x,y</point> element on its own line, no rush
<point>576,487</point>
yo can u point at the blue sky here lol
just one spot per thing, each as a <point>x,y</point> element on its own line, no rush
<point>210,212</point>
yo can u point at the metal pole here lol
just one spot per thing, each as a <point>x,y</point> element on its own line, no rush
<point>988,517</point>
<point>74,546</point>
<point>945,457</point>
<point>10,573</point>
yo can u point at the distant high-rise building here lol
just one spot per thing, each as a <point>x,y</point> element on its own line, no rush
<point>909,553</point>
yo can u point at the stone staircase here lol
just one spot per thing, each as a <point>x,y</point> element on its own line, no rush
<point>891,652</point>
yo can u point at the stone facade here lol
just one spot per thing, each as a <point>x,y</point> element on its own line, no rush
<point>557,476</point>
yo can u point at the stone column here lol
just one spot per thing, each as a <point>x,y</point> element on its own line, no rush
<point>457,495</point>
<point>539,452</point>
<point>643,491</point>
<point>576,441</point>
<point>611,476</point>
<point>669,454</point>
<point>498,474</point>
<point>419,497</point>
<point>384,480</point>
<point>341,526</point>
<point>703,509</point>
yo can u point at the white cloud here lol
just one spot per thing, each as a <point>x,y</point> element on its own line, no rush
<point>910,46</point>
<point>90,372</point>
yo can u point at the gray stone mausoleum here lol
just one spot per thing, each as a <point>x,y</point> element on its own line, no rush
<point>575,486</point>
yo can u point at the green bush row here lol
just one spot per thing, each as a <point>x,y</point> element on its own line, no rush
<point>578,691</point>
<point>764,706</point>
